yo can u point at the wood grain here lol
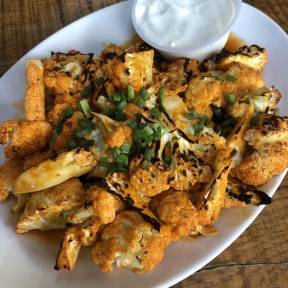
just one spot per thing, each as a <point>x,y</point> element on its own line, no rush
<point>259,257</point>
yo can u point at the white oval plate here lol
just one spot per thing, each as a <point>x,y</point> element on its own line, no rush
<point>28,263</point>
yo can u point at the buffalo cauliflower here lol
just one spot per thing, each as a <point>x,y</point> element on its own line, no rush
<point>50,208</point>
<point>26,137</point>
<point>268,138</point>
<point>130,242</point>
<point>99,209</point>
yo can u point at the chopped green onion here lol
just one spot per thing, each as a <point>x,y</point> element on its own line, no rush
<point>198,127</point>
<point>121,105</point>
<point>219,77</point>
<point>161,94</point>
<point>104,162</point>
<point>85,93</point>
<point>125,148</point>
<point>86,143</point>
<point>108,111</point>
<point>231,78</point>
<point>86,109</point>
<point>230,97</point>
<point>119,116</point>
<point>205,120</point>
<point>82,133</point>
<point>155,112</point>
<point>161,128</point>
<point>144,94</point>
<point>112,168</point>
<point>254,120</point>
<point>130,96</point>
<point>191,115</point>
<point>276,111</point>
<point>100,80</point>
<point>68,112</point>
<point>132,124</point>
<point>117,97</point>
<point>140,102</point>
<point>148,130</point>
<point>122,159</point>
<point>85,123</point>
<point>116,151</point>
<point>71,144</point>
<point>148,154</point>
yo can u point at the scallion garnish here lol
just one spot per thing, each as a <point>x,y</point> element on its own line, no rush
<point>231,78</point>
<point>230,97</point>
<point>191,115</point>
<point>148,154</point>
<point>130,95</point>
<point>85,93</point>
<point>254,120</point>
<point>85,108</point>
<point>156,113</point>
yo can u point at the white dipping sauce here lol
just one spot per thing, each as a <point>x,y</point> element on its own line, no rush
<point>183,23</point>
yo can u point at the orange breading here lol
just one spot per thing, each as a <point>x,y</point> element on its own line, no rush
<point>269,139</point>
<point>121,135</point>
<point>55,114</point>
<point>9,170</point>
<point>176,210</point>
<point>27,137</point>
<point>35,94</point>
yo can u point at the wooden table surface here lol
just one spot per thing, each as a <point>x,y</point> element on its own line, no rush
<point>259,257</point>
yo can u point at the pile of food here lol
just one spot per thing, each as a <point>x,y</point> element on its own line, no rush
<point>127,152</point>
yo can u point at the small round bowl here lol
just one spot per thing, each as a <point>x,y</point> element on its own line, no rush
<point>200,51</point>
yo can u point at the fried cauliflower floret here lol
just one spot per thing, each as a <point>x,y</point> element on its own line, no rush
<point>65,76</point>
<point>118,184</point>
<point>26,137</point>
<point>270,156</point>
<point>130,242</point>
<point>52,172</point>
<point>50,208</point>
<point>176,210</point>
<point>35,91</point>
<point>133,69</point>
<point>55,114</point>
<point>210,88</point>
<point>9,170</point>
<point>248,79</point>
<point>99,209</point>
<point>239,194</point>
<point>68,128</point>
<point>201,91</point>
<point>251,56</point>
<point>187,168</point>
<point>150,177</point>
<point>175,79</point>
<point>121,135</point>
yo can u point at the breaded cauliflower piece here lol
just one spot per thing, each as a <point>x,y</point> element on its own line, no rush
<point>187,168</point>
<point>177,211</point>
<point>207,88</point>
<point>174,80</point>
<point>122,134</point>
<point>239,194</point>
<point>26,137</point>
<point>35,91</point>
<point>270,157</point>
<point>119,184</point>
<point>55,114</point>
<point>100,208</point>
<point>150,177</point>
<point>50,208</point>
<point>201,91</point>
<point>9,170</point>
<point>65,76</point>
<point>251,56</point>
<point>52,172</point>
<point>130,242</point>
<point>125,69</point>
